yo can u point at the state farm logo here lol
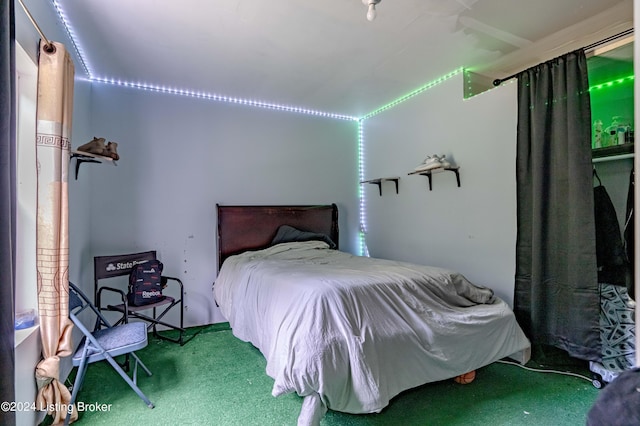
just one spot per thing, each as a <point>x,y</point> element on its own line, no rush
<point>123,265</point>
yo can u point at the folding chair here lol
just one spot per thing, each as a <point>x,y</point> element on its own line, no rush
<point>105,343</point>
<point>106,267</point>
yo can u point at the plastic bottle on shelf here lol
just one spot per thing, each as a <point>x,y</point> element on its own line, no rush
<point>597,129</point>
<point>608,135</point>
<point>622,132</point>
<point>611,133</point>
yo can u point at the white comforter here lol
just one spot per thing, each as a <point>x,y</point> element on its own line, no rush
<point>357,331</point>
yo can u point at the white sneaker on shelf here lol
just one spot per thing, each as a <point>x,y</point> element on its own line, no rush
<point>429,163</point>
<point>444,162</point>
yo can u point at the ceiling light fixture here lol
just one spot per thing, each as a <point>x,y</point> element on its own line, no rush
<point>371,13</point>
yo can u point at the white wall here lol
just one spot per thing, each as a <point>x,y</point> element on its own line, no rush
<point>79,196</point>
<point>180,156</point>
<point>471,229</point>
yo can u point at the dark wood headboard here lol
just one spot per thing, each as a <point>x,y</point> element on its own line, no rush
<point>242,228</point>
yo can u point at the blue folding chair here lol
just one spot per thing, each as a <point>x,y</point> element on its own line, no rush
<point>105,343</point>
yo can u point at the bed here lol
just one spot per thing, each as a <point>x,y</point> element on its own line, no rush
<point>345,332</point>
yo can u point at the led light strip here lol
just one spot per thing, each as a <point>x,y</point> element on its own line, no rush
<point>221,98</point>
<point>364,251</point>
<point>189,93</point>
<point>412,94</point>
<point>468,86</point>
<point>612,82</point>
<point>70,33</point>
<point>266,105</point>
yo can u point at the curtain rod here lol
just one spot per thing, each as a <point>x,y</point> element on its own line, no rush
<point>612,158</point>
<point>48,46</point>
<point>499,81</point>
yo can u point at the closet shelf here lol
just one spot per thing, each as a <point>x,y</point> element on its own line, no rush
<point>430,173</point>
<point>86,157</point>
<point>610,153</point>
<point>379,181</point>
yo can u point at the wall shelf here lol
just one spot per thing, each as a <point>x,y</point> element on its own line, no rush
<point>86,157</point>
<point>429,174</point>
<point>379,181</point>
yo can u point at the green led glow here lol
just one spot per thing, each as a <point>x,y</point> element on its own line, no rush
<point>468,85</point>
<point>612,83</point>
<point>412,94</point>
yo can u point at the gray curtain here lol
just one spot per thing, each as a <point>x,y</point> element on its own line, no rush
<point>556,289</point>
<point>7,205</point>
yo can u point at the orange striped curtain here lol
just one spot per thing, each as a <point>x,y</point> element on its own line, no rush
<point>53,135</point>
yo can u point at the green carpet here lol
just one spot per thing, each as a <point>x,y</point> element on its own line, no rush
<point>216,379</point>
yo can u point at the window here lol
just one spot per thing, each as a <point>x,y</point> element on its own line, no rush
<point>26,296</point>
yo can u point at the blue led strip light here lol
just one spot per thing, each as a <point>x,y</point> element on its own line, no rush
<point>362,199</point>
<point>189,93</point>
<point>221,98</point>
<point>67,27</point>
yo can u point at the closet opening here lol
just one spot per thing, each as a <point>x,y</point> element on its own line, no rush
<point>611,81</point>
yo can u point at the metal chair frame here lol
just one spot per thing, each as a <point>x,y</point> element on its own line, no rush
<point>104,343</point>
<point>120,265</point>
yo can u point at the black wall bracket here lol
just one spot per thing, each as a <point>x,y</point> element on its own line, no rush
<point>379,181</point>
<point>85,157</point>
<point>429,174</point>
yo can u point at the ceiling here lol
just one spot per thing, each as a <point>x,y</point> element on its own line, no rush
<point>324,54</point>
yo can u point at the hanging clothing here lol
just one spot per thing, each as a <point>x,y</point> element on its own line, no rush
<point>612,261</point>
<point>617,310</point>
<point>628,235</point>
<point>617,332</point>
